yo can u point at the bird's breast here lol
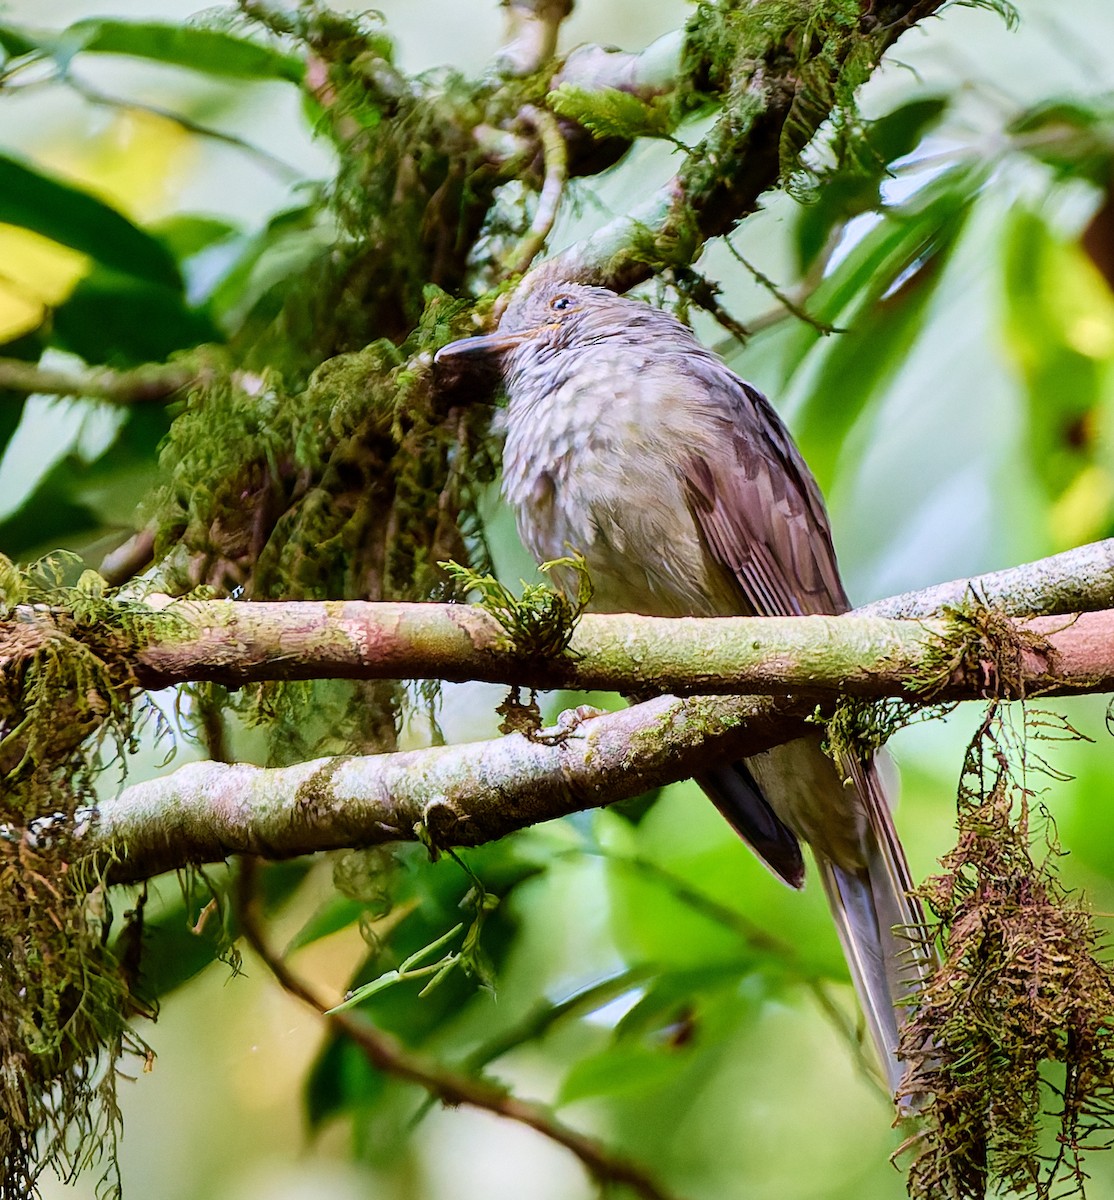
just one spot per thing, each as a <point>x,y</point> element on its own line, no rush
<point>591,464</point>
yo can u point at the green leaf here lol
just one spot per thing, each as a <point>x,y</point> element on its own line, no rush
<point>187,234</point>
<point>76,499</point>
<point>856,188</point>
<point>876,297</point>
<point>255,286</point>
<point>121,320</point>
<point>1074,137</point>
<point>212,51</point>
<point>1059,320</point>
<point>611,113</point>
<point>72,217</point>
<point>339,1081</point>
<point>337,913</point>
<point>621,1070</point>
<point>16,42</point>
<point>676,994</point>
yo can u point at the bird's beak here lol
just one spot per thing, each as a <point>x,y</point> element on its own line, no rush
<point>482,347</point>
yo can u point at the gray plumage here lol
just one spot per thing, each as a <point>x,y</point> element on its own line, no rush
<point>628,441</point>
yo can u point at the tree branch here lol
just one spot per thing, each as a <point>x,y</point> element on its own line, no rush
<point>531,37</point>
<point>464,795</point>
<point>1078,580</point>
<point>448,795</point>
<point>740,158</point>
<point>555,157</point>
<point>387,1054</point>
<point>867,653</point>
<point>235,643</point>
<point>143,385</point>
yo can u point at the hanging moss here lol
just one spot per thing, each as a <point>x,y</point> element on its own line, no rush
<point>65,998</point>
<point>1011,1045</point>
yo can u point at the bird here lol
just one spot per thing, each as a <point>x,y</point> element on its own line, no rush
<point>629,442</point>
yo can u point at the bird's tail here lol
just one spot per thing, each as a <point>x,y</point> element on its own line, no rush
<point>844,815</point>
<point>880,924</point>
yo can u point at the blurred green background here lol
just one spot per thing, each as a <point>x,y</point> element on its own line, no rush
<point>959,424</point>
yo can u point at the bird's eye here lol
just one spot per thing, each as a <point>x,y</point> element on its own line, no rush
<point>560,303</point>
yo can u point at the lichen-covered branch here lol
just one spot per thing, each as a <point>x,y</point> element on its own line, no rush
<point>794,86</point>
<point>472,793</point>
<point>447,795</point>
<point>1077,580</point>
<point>235,643</point>
<point>461,795</point>
<point>867,653</point>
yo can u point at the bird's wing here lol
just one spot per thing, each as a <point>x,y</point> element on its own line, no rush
<point>759,509</point>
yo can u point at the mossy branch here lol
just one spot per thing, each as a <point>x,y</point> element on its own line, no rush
<point>768,116</point>
<point>544,640</point>
<point>238,643</point>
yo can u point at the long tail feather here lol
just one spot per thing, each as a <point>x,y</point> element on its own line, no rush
<point>881,926</point>
<point>865,876</point>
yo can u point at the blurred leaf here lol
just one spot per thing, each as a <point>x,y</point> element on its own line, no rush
<point>254,286</point>
<point>857,188</point>
<point>878,296</point>
<point>1074,136</point>
<point>675,994</point>
<point>1059,318</point>
<point>212,51</point>
<point>16,42</point>
<point>76,498</point>
<point>75,218</point>
<point>621,1070</point>
<point>341,1080</point>
<point>337,913</point>
<point>124,321</point>
<point>27,348</point>
<point>186,234</point>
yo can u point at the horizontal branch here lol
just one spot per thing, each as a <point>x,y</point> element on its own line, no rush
<point>1077,580</point>
<point>460,795</point>
<point>235,643</point>
<point>145,384</point>
<point>473,793</point>
<point>463,795</point>
<point>867,653</point>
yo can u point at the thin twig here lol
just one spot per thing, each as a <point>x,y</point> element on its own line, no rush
<point>388,1055</point>
<point>126,561</point>
<point>277,166</point>
<point>144,385</point>
<point>555,157</point>
<point>705,294</point>
<point>781,296</point>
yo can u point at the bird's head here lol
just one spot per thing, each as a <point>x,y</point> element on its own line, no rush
<point>543,319</point>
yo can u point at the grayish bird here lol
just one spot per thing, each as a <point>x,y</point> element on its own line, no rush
<point>628,441</point>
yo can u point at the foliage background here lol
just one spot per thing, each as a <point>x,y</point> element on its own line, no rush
<point>962,425</point>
